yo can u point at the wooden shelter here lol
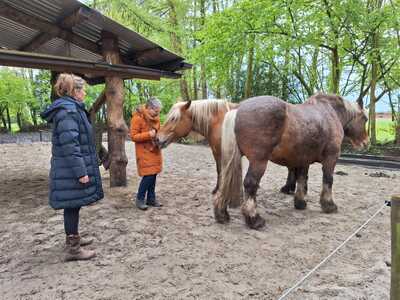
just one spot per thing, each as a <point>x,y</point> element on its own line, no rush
<point>67,36</point>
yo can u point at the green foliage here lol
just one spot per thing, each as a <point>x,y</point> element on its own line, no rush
<point>16,96</point>
<point>290,49</point>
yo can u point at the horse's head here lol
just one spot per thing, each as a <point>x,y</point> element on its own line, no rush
<point>355,130</point>
<point>178,124</point>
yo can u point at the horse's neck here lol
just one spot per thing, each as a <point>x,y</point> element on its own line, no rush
<point>344,114</point>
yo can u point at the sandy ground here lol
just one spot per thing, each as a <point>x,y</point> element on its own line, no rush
<point>178,251</point>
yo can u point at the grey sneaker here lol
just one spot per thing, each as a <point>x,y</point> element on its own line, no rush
<point>141,204</point>
<point>154,203</point>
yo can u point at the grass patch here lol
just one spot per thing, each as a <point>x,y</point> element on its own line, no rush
<point>385,131</point>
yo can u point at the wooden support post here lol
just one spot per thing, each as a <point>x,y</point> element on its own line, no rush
<point>395,267</point>
<point>117,129</point>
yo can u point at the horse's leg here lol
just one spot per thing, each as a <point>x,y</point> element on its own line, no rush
<point>306,183</point>
<point>218,164</point>
<point>220,212</point>
<point>290,185</point>
<point>301,178</point>
<point>251,183</point>
<point>327,204</point>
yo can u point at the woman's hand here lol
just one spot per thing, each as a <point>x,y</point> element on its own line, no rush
<point>153,133</point>
<point>84,179</point>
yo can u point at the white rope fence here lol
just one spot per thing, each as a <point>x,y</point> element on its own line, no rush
<point>331,254</point>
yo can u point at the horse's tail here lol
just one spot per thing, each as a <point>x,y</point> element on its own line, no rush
<point>231,164</point>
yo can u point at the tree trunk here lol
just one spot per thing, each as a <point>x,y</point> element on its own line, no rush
<point>374,77</point>
<point>8,118</point>
<point>141,95</point>
<point>314,70</point>
<point>19,120</point>
<point>34,117</point>
<point>53,80</point>
<point>117,129</point>
<point>397,119</point>
<point>218,93</point>
<point>184,89</point>
<point>177,46</point>
<point>215,6</point>
<point>203,76</point>
<point>398,131</point>
<point>335,71</point>
<point>3,119</point>
<point>285,81</point>
<point>195,87</point>
<point>203,80</point>
<point>238,93</point>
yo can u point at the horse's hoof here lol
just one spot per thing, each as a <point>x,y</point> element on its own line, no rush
<point>300,203</point>
<point>255,222</point>
<point>329,207</point>
<point>221,217</point>
<point>287,190</point>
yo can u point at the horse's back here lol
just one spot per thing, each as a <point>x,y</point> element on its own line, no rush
<point>310,130</point>
<point>259,124</point>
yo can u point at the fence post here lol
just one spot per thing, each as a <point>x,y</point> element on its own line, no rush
<point>395,267</point>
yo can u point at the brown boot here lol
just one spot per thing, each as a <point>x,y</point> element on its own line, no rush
<point>74,250</point>
<point>82,241</point>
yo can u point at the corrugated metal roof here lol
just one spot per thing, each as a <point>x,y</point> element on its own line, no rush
<point>14,36</point>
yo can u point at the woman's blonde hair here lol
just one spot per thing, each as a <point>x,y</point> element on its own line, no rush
<point>67,84</point>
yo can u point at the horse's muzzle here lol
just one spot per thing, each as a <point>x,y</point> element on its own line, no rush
<point>360,145</point>
<point>161,144</point>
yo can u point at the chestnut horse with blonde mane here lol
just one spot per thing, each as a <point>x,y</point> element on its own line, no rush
<point>269,129</point>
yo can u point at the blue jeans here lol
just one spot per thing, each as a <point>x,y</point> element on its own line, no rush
<point>147,185</point>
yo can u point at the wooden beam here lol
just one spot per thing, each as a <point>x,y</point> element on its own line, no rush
<point>38,41</point>
<point>98,103</point>
<point>98,131</point>
<point>15,15</point>
<point>147,57</point>
<point>173,65</point>
<point>78,16</point>
<point>73,65</point>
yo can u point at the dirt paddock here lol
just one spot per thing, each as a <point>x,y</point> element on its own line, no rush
<point>178,251</point>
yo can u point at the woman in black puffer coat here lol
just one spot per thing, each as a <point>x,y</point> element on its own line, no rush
<point>75,179</point>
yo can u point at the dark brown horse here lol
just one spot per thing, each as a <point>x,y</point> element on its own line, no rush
<point>204,117</point>
<point>268,129</point>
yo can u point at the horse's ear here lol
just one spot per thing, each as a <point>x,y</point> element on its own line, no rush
<point>187,105</point>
